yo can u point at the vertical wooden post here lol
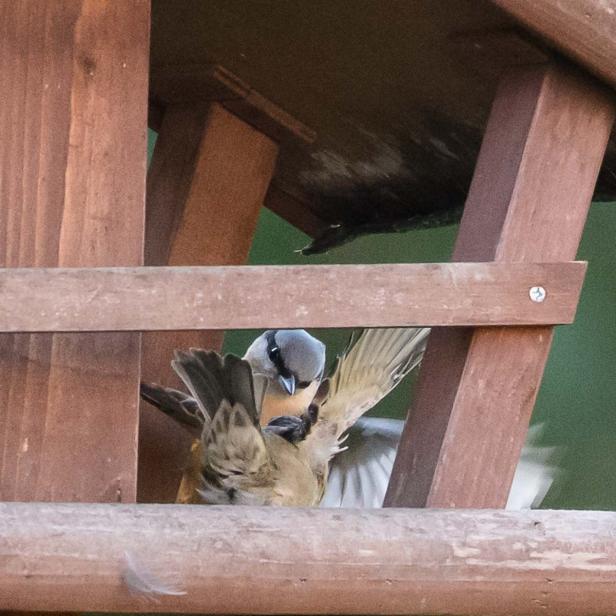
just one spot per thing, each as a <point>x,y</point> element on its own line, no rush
<point>528,201</point>
<point>73,76</point>
<point>207,181</point>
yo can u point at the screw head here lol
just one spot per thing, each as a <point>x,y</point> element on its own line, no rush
<point>537,294</point>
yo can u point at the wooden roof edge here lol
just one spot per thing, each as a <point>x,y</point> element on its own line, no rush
<point>188,84</point>
<point>294,210</point>
<point>584,30</point>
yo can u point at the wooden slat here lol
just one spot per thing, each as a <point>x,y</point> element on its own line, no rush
<point>206,184</point>
<point>72,157</point>
<point>583,29</point>
<point>169,298</point>
<point>528,201</point>
<point>246,560</point>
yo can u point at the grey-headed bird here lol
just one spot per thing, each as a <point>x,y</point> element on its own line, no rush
<point>359,476</point>
<point>309,435</point>
<point>293,362</point>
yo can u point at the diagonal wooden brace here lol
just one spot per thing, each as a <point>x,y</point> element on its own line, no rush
<point>528,201</point>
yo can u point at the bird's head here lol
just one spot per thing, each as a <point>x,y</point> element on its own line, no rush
<point>291,359</point>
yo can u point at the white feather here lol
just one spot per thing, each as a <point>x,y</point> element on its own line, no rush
<point>359,476</point>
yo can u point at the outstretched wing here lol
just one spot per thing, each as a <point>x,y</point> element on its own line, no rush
<point>368,370</point>
<point>359,476</point>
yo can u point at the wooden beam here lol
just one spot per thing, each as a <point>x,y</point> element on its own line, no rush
<point>294,210</point>
<point>73,155</point>
<point>278,198</point>
<point>206,185</point>
<point>585,30</point>
<point>528,201</point>
<point>241,297</point>
<point>246,560</point>
<point>189,84</point>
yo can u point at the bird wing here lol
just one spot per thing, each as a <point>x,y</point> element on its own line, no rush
<point>536,472</point>
<point>359,476</point>
<point>368,369</point>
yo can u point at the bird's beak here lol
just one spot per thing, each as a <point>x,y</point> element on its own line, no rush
<point>288,384</point>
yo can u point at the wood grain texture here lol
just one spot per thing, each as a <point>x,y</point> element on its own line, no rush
<point>245,560</point>
<point>72,158</point>
<point>183,129</point>
<point>206,185</point>
<point>294,210</point>
<point>583,29</point>
<point>528,200</point>
<point>240,297</point>
<point>190,84</point>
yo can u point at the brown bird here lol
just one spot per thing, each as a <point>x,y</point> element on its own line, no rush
<point>234,460</point>
<point>287,462</point>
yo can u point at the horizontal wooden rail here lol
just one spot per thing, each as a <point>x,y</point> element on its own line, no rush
<point>182,298</point>
<point>244,560</point>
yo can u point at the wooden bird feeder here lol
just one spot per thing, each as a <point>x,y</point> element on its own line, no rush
<point>358,114</point>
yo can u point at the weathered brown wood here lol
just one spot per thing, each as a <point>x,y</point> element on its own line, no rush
<point>72,157</point>
<point>170,298</point>
<point>294,210</point>
<point>245,560</point>
<point>190,84</point>
<point>528,201</point>
<point>583,29</point>
<point>181,117</point>
<point>206,184</point>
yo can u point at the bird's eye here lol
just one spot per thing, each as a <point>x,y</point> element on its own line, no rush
<point>274,354</point>
<point>302,384</point>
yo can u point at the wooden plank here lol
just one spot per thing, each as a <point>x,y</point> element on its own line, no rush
<point>528,201</point>
<point>583,29</point>
<point>246,560</point>
<point>294,210</point>
<point>189,84</point>
<point>170,298</point>
<point>72,158</point>
<point>206,184</point>
<point>278,199</point>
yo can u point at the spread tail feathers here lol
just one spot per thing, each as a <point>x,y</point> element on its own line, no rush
<point>211,379</point>
<point>230,397</point>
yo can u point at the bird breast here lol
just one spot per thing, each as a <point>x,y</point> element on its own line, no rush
<point>294,482</point>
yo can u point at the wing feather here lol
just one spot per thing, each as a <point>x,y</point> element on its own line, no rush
<point>359,476</point>
<point>368,370</point>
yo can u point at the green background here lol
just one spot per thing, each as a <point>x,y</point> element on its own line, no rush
<point>577,399</point>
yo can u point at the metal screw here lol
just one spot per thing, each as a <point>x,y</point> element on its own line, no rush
<point>537,294</point>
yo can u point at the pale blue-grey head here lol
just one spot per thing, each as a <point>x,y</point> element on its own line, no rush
<point>292,359</point>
